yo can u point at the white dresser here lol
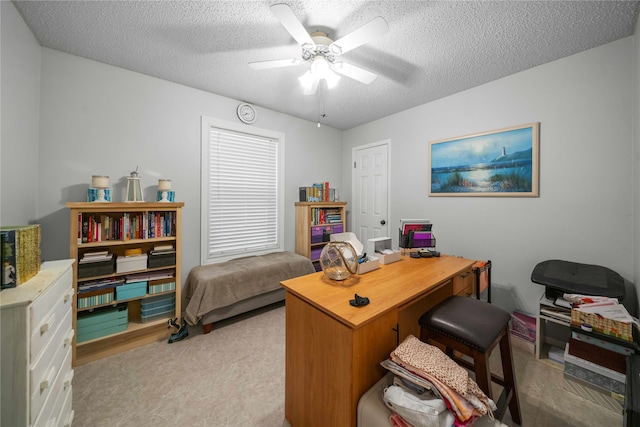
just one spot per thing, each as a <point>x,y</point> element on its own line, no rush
<point>36,336</point>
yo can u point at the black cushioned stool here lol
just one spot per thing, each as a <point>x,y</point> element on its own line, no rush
<point>474,328</point>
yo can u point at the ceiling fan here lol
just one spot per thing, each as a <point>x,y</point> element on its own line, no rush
<point>322,52</point>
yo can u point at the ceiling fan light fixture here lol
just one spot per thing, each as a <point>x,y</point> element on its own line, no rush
<point>320,67</point>
<point>322,52</point>
<point>306,80</point>
<point>331,78</point>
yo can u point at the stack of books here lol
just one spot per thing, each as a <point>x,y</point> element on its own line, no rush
<point>318,192</point>
<point>95,264</point>
<point>163,249</point>
<point>99,256</point>
<point>325,216</point>
<point>99,292</point>
<point>149,276</point>
<point>163,255</point>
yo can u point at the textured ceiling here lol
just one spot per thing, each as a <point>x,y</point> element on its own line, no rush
<point>432,49</point>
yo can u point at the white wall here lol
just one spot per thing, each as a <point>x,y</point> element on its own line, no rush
<point>585,209</point>
<point>99,119</point>
<point>19,136</point>
<point>65,118</point>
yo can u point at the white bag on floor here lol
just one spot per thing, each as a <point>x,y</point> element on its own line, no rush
<point>427,410</point>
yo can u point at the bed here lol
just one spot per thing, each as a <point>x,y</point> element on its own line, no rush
<point>216,292</point>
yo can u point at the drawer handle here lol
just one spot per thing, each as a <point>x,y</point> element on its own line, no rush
<point>48,324</point>
<point>69,338</point>
<point>67,381</point>
<point>464,276</point>
<point>69,295</point>
<point>45,384</point>
<point>68,423</point>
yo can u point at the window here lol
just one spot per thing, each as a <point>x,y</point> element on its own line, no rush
<point>241,190</point>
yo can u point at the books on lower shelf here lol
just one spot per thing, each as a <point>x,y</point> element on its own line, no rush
<point>326,216</point>
<point>549,308</point>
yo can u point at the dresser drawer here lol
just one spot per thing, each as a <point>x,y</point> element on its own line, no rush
<point>463,283</point>
<point>66,415</point>
<point>47,312</point>
<point>51,415</point>
<point>48,367</point>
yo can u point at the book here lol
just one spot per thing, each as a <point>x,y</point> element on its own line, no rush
<point>20,254</point>
<point>318,192</point>
<point>92,259</point>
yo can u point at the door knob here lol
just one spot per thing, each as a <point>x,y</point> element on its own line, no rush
<point>382,222</point>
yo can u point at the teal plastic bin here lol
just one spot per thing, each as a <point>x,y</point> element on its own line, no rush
<point>131,290</point>
<point>157,307</point>
<point>102,322</point>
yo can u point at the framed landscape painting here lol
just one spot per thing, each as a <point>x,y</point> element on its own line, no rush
<point>502,163</point>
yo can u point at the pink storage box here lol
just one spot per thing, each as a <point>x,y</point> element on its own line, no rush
<point>523,325</point>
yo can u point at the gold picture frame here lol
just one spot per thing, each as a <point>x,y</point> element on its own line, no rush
<point>497,163</point>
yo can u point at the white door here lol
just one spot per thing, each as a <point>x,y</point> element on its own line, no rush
<point>370,191</point>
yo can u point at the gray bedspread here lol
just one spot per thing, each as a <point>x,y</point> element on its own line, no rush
<point>212,286</point>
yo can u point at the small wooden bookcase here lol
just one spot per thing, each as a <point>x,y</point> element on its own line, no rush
<point>315,221</point>
<point>138,332</point>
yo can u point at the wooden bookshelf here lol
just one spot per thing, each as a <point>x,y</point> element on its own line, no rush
<point>315,221</point>
<point>138,332</point>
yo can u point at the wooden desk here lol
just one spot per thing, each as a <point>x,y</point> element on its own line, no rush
<point>334,350</point>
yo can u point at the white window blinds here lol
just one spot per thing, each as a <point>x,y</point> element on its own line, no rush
<point>242,193</point>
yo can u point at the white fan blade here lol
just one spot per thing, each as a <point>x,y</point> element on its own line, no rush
<point>362,35</point>
<point>276,63</point>
<point>286,17</point>
<point>353,72</point>
<point>313,89</point>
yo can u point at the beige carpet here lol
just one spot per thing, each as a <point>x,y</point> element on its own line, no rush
<point>234,376</point>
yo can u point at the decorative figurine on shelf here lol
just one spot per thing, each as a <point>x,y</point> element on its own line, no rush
<point>134,188</point>
<point>164,191</point>
<point>99,191</point>
<point>182,330</point>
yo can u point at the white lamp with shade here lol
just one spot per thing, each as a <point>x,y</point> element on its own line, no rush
<point>164,186</point>
<point>101,183</point>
